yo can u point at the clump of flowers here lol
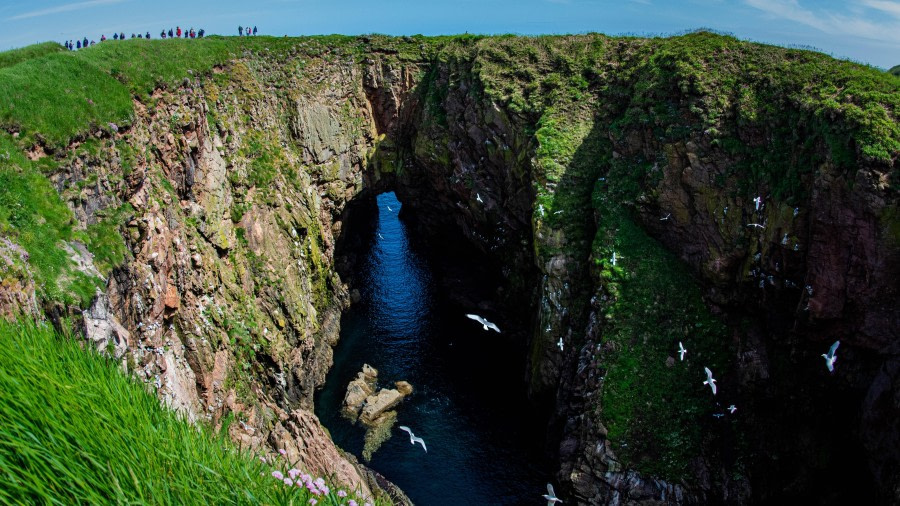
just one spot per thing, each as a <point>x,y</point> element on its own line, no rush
<point>316,487</point>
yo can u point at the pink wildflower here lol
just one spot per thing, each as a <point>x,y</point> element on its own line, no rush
<point>293,473</point>
<point>277,475</point>
<point>282,452</point>
<point>262,459</point>
<point>312,488</point>
<point>289,482</point>
<point>352,503</point>
<point>312,500</point>
<point>341,493</point>
<point>320,482</point>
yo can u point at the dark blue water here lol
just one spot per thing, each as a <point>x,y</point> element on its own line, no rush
<point>484,447</point>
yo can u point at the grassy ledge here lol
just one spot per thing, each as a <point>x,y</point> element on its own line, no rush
<point>76,430</point>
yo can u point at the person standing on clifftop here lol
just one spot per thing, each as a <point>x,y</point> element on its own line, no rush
<point>178,31</point>
<point>240,30</point>
<point>122,36</point>
<point>84,43</point>
<point>254,30</point>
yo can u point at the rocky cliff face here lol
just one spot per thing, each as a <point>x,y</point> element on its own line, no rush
<point>232,190</point>
<point>609,185</point>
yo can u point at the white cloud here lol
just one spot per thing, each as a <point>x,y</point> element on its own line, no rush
<point>892,8</point>
<point>834,23</point>
<point>77,6</point>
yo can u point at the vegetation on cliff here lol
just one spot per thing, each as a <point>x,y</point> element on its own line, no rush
<point>599,114</point>
<point>77,430</point>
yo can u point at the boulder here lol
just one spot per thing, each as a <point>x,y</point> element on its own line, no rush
<point>357,392</point>
<point>404,387</point>
<point>377,404</point>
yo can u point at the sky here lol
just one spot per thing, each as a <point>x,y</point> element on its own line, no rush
<point>866,31</point>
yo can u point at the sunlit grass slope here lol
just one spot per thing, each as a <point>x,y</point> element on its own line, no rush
<point>75,430</point>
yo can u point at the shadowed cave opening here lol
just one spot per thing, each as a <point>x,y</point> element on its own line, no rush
<point>410,294</point>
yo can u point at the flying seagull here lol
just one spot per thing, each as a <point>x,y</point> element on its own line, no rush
<point>666,217</point>
<point>732,409</point>
<point>560,344</point>
<point>389,208</point>
<point>487,325</point>
<point>681,350</point>
<point>757,225</point>
<point>380,236</point>
<point>830,358</point>
<point>478,197</point>
<point>709,380</point>
<point>757,201</point>
<point>550,496</point>
<point>413,439</point>
<point>614,258</point>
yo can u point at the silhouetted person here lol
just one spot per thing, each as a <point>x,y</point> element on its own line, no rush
<point>200,33</point>
<point>115,36</point>
<point>162,34</point>
<point>170,33</point>
<point>240,30</point>
<point>79,44</point>
<point>178,31</point>
<point>122,36</point>
<point>147,36</point>
<point>92,43</point>
<point>102,38</point>
<point>254,30</point>
<point>133,35</point>
<point>84,43</point>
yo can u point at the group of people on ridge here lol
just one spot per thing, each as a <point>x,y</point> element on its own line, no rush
<point>171,34</point>
<point>177,33</point>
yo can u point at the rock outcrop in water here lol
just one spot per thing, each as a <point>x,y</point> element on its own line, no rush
<point>214,208</point>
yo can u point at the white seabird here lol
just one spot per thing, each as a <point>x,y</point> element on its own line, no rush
<point>478,197</point>
<point>413,439</point>
<point>681,350</point>
<point>550,496</point>
<point>389,208</point>
<point>560,344</point>
<point>487,325</point>
<point>614,258</point>
<point>757,225</point>
<point>709,380</point>
<point>830,357</point>
<point>757,201</point>
<point>666,217</point>
<point>732,409</point>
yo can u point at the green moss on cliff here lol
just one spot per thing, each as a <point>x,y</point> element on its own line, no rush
<point>33,216</point>
<point>654,406</point>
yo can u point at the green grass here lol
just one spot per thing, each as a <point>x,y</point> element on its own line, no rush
<point>33,215</point>
<point>76,430</point>
<point>654,413</point>
<point>895,70</point>
<point>14,56</point>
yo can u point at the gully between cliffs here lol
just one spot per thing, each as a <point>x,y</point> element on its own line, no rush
<point>485,442</point>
